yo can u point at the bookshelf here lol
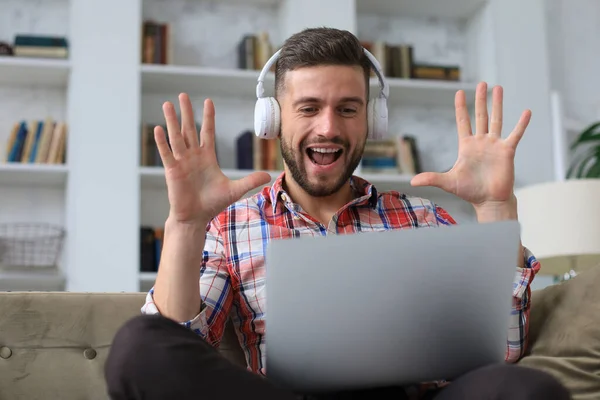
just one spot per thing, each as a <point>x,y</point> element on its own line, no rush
<point>157,79</point>
<point>456,9</point>
<point>16,71</point>
<point>32,90</point>
<point>103,196</point>
<point>160,79</point>
<point>36,175</point>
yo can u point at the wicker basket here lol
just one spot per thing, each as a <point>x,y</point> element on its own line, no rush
<point>30,246</point>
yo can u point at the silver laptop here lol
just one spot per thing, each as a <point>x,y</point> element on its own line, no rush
<point>388,308</point>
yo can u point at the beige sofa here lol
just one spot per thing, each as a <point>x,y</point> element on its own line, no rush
<point>53,344</point>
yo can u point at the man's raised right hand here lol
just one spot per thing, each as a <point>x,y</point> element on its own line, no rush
<point>197,188</point>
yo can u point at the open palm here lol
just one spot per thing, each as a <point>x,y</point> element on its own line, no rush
<point>197,188</point>
<point>484,169</point>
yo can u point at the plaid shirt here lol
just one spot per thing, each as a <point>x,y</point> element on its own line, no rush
<point>232,280</point>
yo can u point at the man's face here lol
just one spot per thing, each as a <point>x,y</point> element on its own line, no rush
<point>323,126</point>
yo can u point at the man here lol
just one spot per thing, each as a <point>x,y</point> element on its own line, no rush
<point>212,238</point>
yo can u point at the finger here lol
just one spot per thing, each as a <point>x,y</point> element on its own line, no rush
<point>163,147</point>
<point>250,182</point>
<point>173,130</point>
<point>481,114</point>
<point>496,118</point>
<point>435,179</point>
<point>515,136</point>
<point>188,124</point>
<point>463,121</point>
<point>207,132</point>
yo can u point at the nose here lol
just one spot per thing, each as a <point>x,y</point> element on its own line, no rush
<point>328,123</point>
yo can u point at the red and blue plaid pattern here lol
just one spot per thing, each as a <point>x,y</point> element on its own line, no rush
<point>232,281</point>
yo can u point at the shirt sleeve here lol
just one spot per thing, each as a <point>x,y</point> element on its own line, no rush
<point>519,313</point>
<point>215,290</point>
<point>519,317</point>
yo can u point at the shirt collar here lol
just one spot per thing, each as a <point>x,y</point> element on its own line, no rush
<point>366,190</point>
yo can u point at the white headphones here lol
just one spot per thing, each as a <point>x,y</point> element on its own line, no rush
<point>267,115</point>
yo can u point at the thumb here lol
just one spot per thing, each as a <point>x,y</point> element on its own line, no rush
<point>243,185</point>
<point>435,179</point>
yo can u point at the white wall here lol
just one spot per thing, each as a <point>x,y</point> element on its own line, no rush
<point>574,47</point>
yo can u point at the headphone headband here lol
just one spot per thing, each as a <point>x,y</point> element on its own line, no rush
<point>383,85</point>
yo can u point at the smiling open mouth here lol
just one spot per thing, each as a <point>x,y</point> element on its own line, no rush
<point>321,156</point>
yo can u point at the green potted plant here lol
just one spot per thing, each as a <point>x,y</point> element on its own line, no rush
<point>587,164</point>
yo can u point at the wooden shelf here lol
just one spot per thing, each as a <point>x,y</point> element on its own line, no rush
<point>456,9</point>
<point>161,79</point>
<point>154,177</point>
<point>17,174</point>
<point>421,92</point>
<point>147,277</point>
<point>24,71</point>
<point>208,81</point>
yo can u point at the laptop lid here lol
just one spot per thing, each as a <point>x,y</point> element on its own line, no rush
<point>388,308</point>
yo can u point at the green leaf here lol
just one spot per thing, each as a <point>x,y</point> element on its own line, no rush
<point>590,134</point>
<point>594,170</point>
<point>580,163</point>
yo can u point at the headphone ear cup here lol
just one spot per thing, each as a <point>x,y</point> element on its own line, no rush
<point>370,114</point>
<point>377,118</point>
<point>267,118</point>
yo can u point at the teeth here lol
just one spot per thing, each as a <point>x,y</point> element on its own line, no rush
<point>319,150</point>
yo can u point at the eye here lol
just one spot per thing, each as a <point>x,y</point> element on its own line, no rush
<point>308,110</point>
<point>348,111</point>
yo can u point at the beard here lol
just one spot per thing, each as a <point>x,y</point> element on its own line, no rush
<point>326,186</point>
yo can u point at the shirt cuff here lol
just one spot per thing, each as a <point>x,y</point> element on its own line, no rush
<point>197,324</point>
<point>524,276</point>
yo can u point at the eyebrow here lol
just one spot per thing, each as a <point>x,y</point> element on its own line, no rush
<point>349,99</point>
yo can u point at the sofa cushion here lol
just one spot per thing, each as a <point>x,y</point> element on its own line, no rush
<point>53,345</point>
<point>565,333</point>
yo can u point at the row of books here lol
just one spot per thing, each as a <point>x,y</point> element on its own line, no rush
<point>151,239</point>
<point>398,155</point>
<point>254,49</point>
<point>156,43</point>
<point>398,61</point>
<point>41,46</point>
<point>40,142</point>
<point>149,155</point>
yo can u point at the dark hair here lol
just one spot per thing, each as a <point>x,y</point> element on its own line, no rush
<point>320,46</point>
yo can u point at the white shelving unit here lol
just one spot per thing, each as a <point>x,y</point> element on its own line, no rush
<point>456,9</point>
<point>54,176</point>
<point>108,93</point>
<point>157,79</point>
<point>34,71</point>
<point>33,89</point>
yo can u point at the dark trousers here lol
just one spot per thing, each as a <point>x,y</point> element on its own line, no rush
<point>153,357</point>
